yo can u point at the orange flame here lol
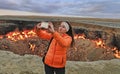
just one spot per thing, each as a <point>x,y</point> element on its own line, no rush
<point>99,42</point>
<point>32,47</point>
<point>116,53</point>
<point>82,36</point>
<point>15,36</point>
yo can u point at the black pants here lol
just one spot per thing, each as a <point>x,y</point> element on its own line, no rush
<point>51,70</point>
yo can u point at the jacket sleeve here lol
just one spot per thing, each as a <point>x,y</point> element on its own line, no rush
<point>43,34</point>
<point>63,41</point>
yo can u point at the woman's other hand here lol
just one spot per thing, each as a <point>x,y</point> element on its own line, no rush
<point>38,25</point>
<point>51,27</point>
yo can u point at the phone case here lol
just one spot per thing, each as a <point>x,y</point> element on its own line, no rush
<point>44,25</point>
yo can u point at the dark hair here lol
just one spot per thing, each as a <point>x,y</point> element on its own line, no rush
<point>70,33</point>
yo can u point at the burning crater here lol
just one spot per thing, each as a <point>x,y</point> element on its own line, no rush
<point>90,45</point>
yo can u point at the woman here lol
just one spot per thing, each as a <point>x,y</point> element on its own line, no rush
<point>62,39</point>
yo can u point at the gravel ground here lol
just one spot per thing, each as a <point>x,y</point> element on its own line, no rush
<point>11,63</point>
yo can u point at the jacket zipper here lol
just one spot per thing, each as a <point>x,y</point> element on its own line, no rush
<point>54,52</point>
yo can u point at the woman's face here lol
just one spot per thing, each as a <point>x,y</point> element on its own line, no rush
<point>62,28</point>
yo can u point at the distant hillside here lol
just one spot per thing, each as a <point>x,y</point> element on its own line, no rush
<point>20,13</point>
<point>33,15</point>
<point>29,16</point>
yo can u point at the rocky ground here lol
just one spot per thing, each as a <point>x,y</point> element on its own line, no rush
<point>11,63</point>
<point>84,49</point>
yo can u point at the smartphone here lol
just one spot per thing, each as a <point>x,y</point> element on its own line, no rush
<point>44,25</point>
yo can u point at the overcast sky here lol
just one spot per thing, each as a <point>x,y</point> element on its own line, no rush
<point>92,8</point>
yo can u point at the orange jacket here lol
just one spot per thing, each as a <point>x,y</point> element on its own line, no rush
<point>56,55</point>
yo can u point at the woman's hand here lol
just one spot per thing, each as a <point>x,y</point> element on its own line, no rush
<point>51,27</point>
<point>38,26</point>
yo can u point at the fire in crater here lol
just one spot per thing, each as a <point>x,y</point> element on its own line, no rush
<point>17,35</point>
<point>22,35</point>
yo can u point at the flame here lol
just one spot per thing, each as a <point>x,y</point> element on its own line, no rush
<point>82,36</point>
<point>32,47</point>
<point>99,42</point>
<point>116,53</point>
<point>17,35</point>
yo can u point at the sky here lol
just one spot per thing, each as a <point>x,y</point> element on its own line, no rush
<point>90,8</point>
